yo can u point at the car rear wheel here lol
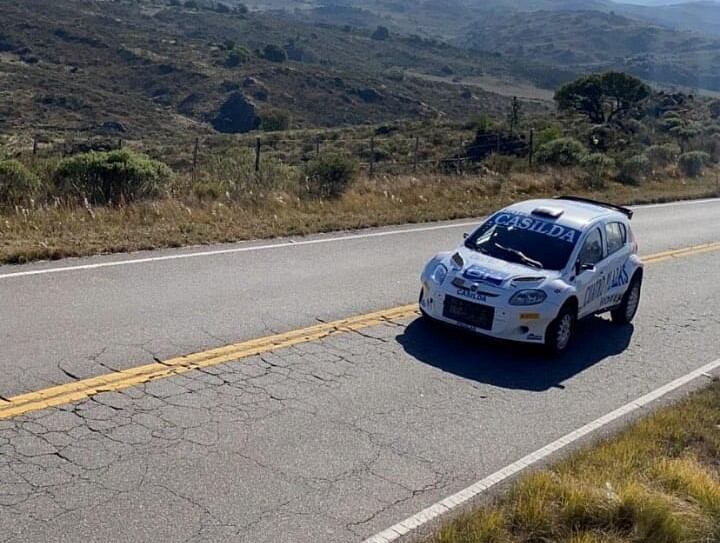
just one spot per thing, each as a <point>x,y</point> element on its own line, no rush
<point>625,312</point>
<point>560,332</point>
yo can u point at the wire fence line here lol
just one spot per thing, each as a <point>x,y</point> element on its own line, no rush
<point>379,153</point>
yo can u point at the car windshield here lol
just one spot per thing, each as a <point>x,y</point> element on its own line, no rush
<point>525,240</point>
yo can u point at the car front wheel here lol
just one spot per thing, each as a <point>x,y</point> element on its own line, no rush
<point>625,312</point>
<point>560,331</point>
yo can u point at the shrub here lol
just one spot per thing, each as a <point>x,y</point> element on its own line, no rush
<point>597,168</point>
<point>381,33</point>
<point>237,56</point>
<point>112,177</point>
<point>273,53</point>
<point>546,135</point>
<point>560,152</point>
<point>274,121</point>
<point>18,185</point>
<point>662,156</point>
<point>633,170</point>
<point>693,162</point>
<point>329,176</point>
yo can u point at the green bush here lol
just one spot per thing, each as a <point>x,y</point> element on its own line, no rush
<point>329,176</point>
<point>633,170</point>
<point>18,185</point>
<point>546,135</point>
<point>693,162</point>
<point>560,152</point>
<point>274,121</point>
<point>112,177</point>
<point>662,156</point>
<point>597,168</point>
<point>273,53</point>
<point>237,56</point>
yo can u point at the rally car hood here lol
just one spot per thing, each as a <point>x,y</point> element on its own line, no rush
<point>476,267</point>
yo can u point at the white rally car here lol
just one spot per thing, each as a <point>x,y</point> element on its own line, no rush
<point>534,268</point>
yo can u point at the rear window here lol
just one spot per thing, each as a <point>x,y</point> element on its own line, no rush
<point>616,236</point>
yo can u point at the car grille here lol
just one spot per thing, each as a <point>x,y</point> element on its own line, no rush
<point>477,315</point>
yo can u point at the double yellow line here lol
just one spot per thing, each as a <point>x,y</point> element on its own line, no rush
<point>85,388</point>
<point>80,390</point>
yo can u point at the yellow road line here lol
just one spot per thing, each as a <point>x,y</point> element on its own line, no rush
<point>80,390</point>
<point>85,388</point>
<point>677,253</point>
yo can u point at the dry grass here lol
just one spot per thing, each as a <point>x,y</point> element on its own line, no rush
<point>53,232</point>
<point>656,482</point>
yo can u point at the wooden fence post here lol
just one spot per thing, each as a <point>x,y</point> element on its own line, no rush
<point>257,154</point>
<point>35,146</point>
<point>531,149</point>
<point>415,154</point>
<point>317,147</point>
<point>195,157</point>
<point>372,156</point>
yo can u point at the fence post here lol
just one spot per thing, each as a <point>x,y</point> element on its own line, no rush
<point>35,146</point>
<point>497,143</point>
<point>195,157</point>
<point>415,154</point>
<point>372,156</point>
<point>530,154</point>
<point>257,154</point>
<point>317,147</point>
<point>120,143</point>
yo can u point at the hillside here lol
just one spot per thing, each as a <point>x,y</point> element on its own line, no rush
<point>671,45</point>
<point>149,69</point>
<point>596,41</point>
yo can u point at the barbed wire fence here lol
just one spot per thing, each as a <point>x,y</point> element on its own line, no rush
<point>375,154</point>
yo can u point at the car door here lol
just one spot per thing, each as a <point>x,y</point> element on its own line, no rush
<point>618,252</point>
<point>590,272</point>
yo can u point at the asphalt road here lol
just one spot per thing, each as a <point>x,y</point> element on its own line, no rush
<point>327,441</point>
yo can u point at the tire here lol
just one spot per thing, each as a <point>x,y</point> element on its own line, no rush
<point>560,332</point>
<point>626,311</point>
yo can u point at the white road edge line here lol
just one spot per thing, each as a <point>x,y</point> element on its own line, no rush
<point>452,502</point>
<point>113,263</point>
<point>280,245</point>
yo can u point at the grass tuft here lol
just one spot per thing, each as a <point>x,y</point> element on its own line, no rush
<point>655,482</point>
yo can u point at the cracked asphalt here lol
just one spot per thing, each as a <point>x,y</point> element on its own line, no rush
<point>332,440</point>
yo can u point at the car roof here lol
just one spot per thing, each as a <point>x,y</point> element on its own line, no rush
<point>577,215</point>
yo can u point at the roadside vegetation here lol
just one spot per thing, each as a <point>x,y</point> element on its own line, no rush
<point>612,138</point>
<point>656,482</point>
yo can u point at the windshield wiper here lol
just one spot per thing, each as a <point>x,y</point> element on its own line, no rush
<point>522,256</point>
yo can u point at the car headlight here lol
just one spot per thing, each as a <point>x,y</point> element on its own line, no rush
<point>439,273</point>
<point>528,297</point>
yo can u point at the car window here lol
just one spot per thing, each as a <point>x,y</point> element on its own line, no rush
<point>616,237</point>
<point>592,249</point>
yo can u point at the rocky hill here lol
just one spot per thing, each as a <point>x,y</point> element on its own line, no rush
<point>142,69</point>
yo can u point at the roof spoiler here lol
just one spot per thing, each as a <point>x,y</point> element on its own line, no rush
<point>624,210</point>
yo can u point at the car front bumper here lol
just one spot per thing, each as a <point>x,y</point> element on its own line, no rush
<point>526,324</point>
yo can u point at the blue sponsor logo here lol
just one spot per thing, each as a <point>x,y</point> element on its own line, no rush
<point>617,278</point>
<point>481,274</point>
<point>531,224</point>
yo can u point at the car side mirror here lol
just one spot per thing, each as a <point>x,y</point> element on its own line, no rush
<point>583,267</point>
<point>466,235</point>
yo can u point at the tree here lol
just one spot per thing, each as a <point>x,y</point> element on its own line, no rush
<point>602,96</point>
